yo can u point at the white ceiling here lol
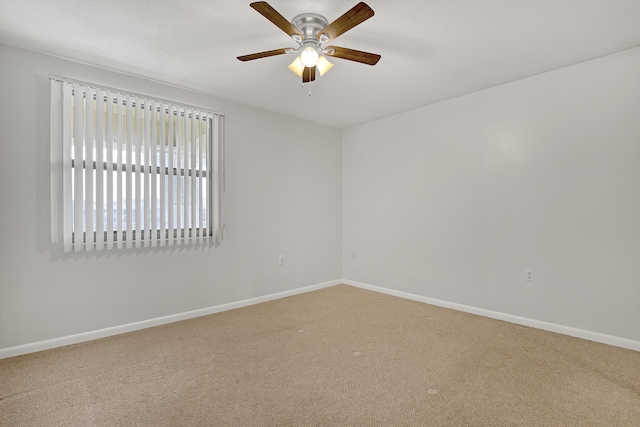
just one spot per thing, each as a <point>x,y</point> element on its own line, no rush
<point>431,49</point>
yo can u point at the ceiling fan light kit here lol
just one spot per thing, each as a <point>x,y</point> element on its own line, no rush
<point>310,31</point>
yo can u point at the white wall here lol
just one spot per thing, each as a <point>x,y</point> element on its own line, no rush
<point>455,200</point>
<point>283,197</point>
<point>451,201</point>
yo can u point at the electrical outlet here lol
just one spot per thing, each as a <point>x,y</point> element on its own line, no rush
<point>528,275</point>
<point>281,260</point>
<point>354,254</point>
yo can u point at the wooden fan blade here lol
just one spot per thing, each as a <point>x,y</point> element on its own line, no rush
<point>262,54</point>
<point>353,55</point>
<point>357,15</point>
<point>272,15</point>
<point>308,74</point>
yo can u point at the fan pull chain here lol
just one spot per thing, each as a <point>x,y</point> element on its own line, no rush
<point>302,87</point>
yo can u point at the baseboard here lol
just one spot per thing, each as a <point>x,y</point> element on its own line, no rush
<point>552,327</point>
<point>130,327</point>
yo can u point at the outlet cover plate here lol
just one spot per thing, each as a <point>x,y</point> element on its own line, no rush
<point>529,275</point>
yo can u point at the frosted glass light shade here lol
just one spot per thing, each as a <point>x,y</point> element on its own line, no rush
<point>323,65</point>
<point>297,66</point>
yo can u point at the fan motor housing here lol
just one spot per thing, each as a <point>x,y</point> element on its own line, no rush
<point>310,24</point>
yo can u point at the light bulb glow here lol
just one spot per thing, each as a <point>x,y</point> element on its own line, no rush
<point>309,57</point>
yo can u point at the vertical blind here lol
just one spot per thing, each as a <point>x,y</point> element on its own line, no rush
<point>130,171</point>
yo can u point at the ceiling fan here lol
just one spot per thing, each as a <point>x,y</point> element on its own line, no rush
<point>311,31</point>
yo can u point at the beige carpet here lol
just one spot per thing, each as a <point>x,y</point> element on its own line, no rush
<point>340,356</point>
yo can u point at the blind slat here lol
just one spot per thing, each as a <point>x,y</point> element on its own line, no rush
<point>153,154</point>
<point>219,179</point>
<point>180,176</point>
<point>188,145</point>
<point>163,182</point>
<point>67,172</point>
<point>146,172</point>
<point>198,179</point>
<point>184,194</point>
<point>120,183</point>
<point>88,157</point>
<point>129,161</point>
<point>100,161</point>
<point>216,224</point>
<point>138,177</point>
<point>110,172</point>
<point>192,179</point>
<point>171,163</point>
<point>78,189</point>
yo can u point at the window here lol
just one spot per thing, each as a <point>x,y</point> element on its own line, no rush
<point>130,171</point>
